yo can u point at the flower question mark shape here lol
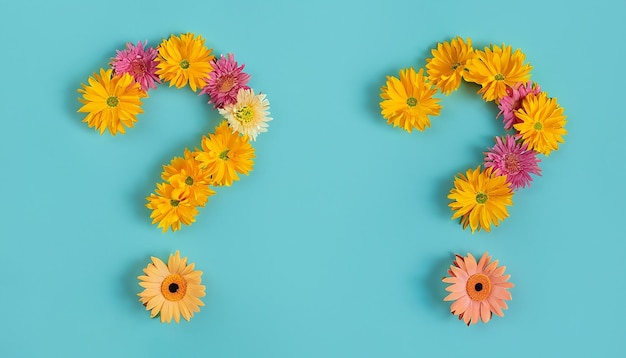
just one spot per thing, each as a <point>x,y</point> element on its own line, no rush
<point>112,100</point>
<point>480,196</point>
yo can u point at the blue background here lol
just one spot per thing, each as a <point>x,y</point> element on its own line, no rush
<point>336,243</point>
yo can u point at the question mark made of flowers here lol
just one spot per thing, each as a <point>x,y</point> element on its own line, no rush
<point>112,100</point>
<point>533,123</point>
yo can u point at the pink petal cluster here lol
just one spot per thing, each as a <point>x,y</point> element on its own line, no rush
<point>225,81</point>
<point>513,101</point>
<point>514,160</point>
<point>138,62</point>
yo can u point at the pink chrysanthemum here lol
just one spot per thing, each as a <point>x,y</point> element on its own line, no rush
<point>513,101</point>
<point>139,62</point>
<point>225,81</point>
<point>514,160</point>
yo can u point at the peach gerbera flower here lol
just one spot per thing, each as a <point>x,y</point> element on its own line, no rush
<point>477,289</point>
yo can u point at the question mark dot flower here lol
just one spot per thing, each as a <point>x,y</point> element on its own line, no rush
<point>408,101</point>
<point>111,102</point>
<point>478,289</point>
<point>480,199</point>
<point>172,290</point>
<point>226,154</point>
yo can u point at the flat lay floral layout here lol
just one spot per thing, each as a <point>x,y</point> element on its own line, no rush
<point>533,124</point>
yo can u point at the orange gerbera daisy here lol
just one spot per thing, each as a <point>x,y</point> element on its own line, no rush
<point>171,291</point>
<point>477,289</point>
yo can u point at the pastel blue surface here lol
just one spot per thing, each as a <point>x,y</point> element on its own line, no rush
<point>336,243</point>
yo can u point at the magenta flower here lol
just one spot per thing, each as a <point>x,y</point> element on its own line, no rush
<point>225,81</point>
<point>514,160</point>
<point>138,62</point>
<point>513,101</point>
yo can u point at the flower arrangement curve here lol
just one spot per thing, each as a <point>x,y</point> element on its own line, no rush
<point>112,100</point>
<point>534,122</point>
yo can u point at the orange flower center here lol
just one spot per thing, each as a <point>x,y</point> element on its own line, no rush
<point>511,163</point>
<point>174,287</point>
<point>226,83</point>
<point>138,67</point>
<point>478,287</point>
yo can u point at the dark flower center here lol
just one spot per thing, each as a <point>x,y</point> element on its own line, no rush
<point>478,287</point>
<point>456,65</point>
<point>174,202</point>
<point>189,181</point>
<point>173,287</point>
<point>224,155</point>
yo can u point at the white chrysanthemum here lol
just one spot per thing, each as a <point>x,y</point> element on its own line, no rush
<point>249,116</point>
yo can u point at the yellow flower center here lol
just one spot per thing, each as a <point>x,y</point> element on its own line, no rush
<point>499,77</point>
<point>174,202</point>
<point>184,64</point>
<point>481,198</point>
<point>226,83</point>
<point>538,126</point>
<point>245,114</point>
<point>478,287</point>
<point>411,101</point>
<point>112,101</point>
<point>174,287</point>
<point>224,155</point>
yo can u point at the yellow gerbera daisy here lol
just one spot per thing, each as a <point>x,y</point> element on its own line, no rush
<point>408,101</point>
<point>496,69</point>
<point>171,205</point>
<point>188,173</point>
<point>480,199</point>
<point>171,290</point>
<point>446,68</point>
<point>184,59</point>
<point>542,123</point>
<point>224,154</point>
<point>112,102</point>
<point>249,115</point>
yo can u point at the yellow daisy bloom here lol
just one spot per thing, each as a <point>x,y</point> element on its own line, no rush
<point>480,199</point>
<point>408,101</point>
<point>495,69</point>
<point>171,205</point>
<point>112,102</point>
<point>183,60</point>
<point>249,115</point>
<point>224,154</point>
<point>542,123</point>
<point>445,70</point>
<point>171,290</point>
<point>188,174</point>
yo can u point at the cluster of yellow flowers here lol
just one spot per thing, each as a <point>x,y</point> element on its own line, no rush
<point>112,100</point>
<point>480,197</point>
